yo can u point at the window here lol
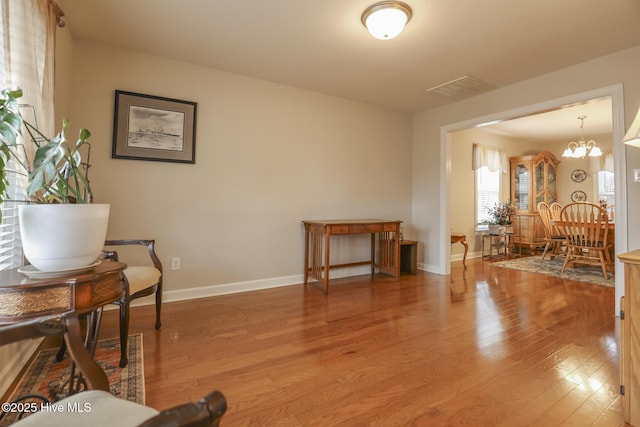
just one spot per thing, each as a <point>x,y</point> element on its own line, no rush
<point>487,192</point>
<point>606,189</point>
<point>10,243</point>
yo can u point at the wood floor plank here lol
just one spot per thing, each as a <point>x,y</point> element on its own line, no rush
<point>485,346</point>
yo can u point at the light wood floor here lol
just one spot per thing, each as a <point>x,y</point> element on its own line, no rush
<point>487,346</point>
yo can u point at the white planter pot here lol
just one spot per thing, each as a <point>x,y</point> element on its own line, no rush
<point>63,236</point>
<point>496,229</point>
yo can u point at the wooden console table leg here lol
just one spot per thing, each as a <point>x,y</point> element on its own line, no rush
<point>373,253</point>
<point>397,254</point>
<point>327,260</point>
<point>306,254</point>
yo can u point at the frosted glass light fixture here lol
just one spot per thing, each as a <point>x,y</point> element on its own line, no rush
<point>581,148</point>
<point>386,19</point>
<point>632,137</point>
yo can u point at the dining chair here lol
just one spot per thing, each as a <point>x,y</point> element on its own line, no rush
<point>555,241</point>
<point>585,226</point>
<point>556,208</point>
<point>97,407</point>
<point>137,281</point>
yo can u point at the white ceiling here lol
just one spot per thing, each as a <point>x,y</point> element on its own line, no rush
<point>561,125</point>
<point>322,46</point>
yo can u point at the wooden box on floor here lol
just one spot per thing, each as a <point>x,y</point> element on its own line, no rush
<point>630,337</point>
<point>408,256</point>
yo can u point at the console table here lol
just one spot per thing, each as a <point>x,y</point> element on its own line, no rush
<point>317,243</point>
<point>51,306</point>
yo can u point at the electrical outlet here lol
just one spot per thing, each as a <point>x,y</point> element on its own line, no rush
<point>175,263</point>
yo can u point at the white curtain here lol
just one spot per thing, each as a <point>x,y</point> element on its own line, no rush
<point>493,158</point>
<point>601,163</point>
<point>28,33</point>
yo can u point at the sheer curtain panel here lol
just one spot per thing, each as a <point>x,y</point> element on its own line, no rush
<point>493,158</point>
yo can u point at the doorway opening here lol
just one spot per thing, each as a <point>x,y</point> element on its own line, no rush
<point>511,117</point>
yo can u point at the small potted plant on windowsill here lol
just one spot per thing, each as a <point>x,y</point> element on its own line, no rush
<point>500,218</point>
<point>61,229</point>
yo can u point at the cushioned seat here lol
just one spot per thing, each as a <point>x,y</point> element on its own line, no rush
<point>141,277</point>
<point>100,408</point>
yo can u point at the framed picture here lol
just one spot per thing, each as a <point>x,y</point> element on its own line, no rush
<point>153,128</point>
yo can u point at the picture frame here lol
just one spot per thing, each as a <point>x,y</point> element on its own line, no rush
<point>154,128</point>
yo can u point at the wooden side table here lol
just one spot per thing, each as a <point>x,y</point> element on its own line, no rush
<point>25,301</point>
<point>462,239</point>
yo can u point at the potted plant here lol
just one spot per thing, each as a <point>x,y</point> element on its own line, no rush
<point>60,228</point>
<point>500,217</point>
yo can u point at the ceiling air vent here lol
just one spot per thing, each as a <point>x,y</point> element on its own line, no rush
<point>461,87</point>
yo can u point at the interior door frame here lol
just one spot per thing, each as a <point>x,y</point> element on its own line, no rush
<point>615,92</point>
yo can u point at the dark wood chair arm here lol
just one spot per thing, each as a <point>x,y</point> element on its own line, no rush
<point>206,412</point>
<point>150,244</point>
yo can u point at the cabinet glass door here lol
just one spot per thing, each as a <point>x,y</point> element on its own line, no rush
<point>539,188</point>
<point>521,187</point>
<point>551,183</point>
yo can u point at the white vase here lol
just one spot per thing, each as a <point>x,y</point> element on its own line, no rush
<point>63,236</point>
<point>494,229</point>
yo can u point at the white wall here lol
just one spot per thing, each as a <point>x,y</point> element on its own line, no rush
<point>267,157</point>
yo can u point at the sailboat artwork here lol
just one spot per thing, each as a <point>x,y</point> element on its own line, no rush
<point>155,128</point>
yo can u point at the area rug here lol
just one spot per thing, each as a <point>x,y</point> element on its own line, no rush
<point>552,267</point>
<point>45,376</point>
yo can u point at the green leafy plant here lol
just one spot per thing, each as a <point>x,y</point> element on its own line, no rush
<point>55,172</point>
<point>500,214</point>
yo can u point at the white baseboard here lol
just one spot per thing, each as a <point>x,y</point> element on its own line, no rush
<point>428,268</point>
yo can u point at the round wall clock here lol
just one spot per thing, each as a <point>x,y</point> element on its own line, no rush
<point>578,175</point>
<point>578,196</point>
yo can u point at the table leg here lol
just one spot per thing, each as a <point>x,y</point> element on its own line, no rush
<point>466,249</point>
<point>373,253</point>
<point>396,254</point>
<point>306,254</point>
<point>95,377</point>
<point>327,262</point>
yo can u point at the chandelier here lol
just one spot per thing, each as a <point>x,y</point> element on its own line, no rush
<point>581,148</point>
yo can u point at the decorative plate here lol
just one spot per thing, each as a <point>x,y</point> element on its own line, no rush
<point>578,196</point>
<point>33,273</point>
<point>578,175</point>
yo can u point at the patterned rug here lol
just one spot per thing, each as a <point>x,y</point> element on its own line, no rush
<point>45,376</point>
<point>552,267</point>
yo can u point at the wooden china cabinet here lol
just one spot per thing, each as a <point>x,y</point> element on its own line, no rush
<point>533,180</point>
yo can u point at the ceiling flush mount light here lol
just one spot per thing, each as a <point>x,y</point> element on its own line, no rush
<point>632,137</point>
<point>581,148</point>
<point>386,19</point>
